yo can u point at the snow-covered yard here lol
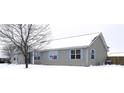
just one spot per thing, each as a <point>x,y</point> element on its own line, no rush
<point>61,79</point>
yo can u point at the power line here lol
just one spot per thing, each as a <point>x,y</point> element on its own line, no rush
<point>74,36</point>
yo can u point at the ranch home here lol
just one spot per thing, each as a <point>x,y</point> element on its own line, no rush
<point>83,50</point>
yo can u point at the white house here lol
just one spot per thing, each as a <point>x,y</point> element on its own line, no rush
<point>83,50</point>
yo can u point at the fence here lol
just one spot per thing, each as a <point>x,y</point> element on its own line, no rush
<point>116,60</point>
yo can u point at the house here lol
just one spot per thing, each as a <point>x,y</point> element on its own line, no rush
<point>83,50</point>
<point>17,57</point>
<point>3,58</point>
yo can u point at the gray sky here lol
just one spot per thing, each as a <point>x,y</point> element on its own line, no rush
<point>113,33</point>
<point>67,17</point>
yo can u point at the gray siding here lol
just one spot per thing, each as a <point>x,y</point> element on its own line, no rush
<point>63,58</point>
<point>19,59</point>
<point>101,53</point>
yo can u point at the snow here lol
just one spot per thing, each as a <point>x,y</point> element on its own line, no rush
<point>61,79</point>
<point>74,41</point>
<point>116,54</point>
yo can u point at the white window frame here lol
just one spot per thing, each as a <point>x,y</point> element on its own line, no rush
<point>75,54</point>
<point>53,55</point>
<point>36,55</point>
<point>93,55</point>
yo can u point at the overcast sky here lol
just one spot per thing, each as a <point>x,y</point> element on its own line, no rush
<point>70,17</point>
<point>113,33</point>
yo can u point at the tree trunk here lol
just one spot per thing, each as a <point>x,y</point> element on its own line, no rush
<point>26,61</point>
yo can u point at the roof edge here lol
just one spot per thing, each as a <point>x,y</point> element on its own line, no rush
<point>102,37</point>
<point>64,48</point>
<point>104,42</point>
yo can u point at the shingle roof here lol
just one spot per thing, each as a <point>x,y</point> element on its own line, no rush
<point>70,42</point>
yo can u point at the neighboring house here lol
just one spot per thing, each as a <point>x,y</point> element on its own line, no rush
<point>4,58</point>
<point>83,50</point>
<point>116,58</point>
<point>17,57</point>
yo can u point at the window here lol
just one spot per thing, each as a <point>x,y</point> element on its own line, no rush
<point>36,55</point>
<point>53,55</point>
<point>14,58</point>
<point>35,58</point>
<point>75,54</point>
<point>72,54</point>
<point>93,54</point>
<point>38,58</point>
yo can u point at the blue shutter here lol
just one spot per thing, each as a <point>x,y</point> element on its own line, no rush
<point>49,55</point>
<point>57,54</point>
<point>94,53</point>
<point>69,54</point>
<point>81,53</point>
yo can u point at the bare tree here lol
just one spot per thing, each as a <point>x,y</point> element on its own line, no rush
<point>8,50</point>
<point>25,37</point>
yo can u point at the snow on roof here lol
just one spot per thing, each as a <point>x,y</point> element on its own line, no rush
<point>116,54</point>
<point>70,42</point>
